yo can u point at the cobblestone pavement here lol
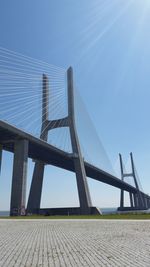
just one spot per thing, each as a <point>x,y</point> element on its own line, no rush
<point>57,243</point>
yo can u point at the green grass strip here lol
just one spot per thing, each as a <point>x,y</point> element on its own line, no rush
<point>129,216</point>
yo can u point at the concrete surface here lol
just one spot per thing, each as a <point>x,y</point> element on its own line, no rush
<point>57,243</point>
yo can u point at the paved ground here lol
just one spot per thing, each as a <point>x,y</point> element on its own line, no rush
<point>74,243</point>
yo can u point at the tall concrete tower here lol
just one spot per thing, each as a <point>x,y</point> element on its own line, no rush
<point>33,205</point>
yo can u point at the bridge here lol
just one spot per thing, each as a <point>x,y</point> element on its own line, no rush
<point>25,145</point>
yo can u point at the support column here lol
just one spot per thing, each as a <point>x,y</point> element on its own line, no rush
<point>145,202</point>
<point>122,199</point>
<point>135,201</point>
<point>34,200</point>
<point>83,190</point>
<point>131,199</point>
<point>18,191</point>
<point>1,151</point>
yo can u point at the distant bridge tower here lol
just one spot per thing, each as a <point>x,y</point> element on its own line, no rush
<point>34,200</point>
<point>137,200</point>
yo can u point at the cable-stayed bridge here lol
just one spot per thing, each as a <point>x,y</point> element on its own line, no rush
<point>37,103</point>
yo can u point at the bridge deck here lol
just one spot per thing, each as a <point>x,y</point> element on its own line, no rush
<point>40,150</point>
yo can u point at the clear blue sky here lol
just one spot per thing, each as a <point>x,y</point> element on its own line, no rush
<point>108,44</point>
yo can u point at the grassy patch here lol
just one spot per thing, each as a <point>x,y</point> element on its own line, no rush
<point>129,216</point>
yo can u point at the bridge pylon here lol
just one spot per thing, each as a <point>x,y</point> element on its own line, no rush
<point>137,200</point>
<point>34,200</point>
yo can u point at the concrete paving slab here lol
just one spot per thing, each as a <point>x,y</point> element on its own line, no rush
<point>56,243</point>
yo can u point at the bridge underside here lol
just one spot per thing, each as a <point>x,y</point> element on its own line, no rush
<point>40,150</point>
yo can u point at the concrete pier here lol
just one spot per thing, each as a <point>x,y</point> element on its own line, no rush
<point>18,191</point>
<point>34,200</point>
<point>131,199</point>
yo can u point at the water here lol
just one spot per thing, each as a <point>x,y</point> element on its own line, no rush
<point>4,213</point>
<point>103,210</point>
<point>108,210</point>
